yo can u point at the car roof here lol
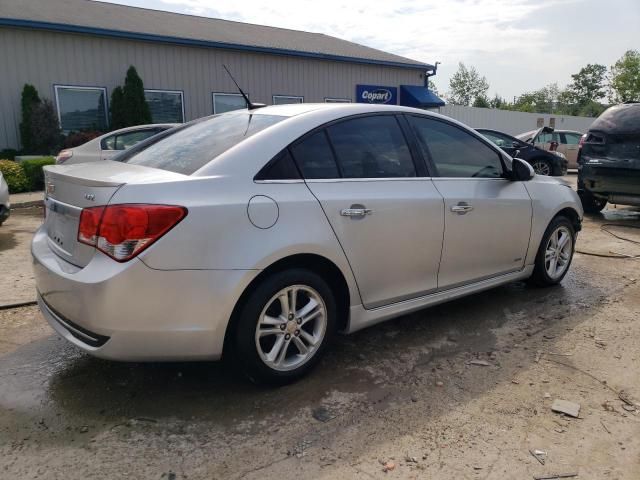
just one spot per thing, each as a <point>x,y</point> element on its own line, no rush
<point>341,109</point>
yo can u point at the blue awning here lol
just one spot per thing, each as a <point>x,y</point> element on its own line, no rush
<point>419,97</point>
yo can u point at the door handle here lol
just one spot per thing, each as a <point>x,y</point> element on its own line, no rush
<point>461,208</point>
<point>355,212</point>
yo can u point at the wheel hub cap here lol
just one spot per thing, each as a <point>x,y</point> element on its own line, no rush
<point>291,328</point>
<point>558,252</point>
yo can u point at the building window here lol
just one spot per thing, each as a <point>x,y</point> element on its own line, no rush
<point>337,100</point>
<point>226,102</point>
<point>166,106</point>
<point>286,99</point>
<point>81,108</point>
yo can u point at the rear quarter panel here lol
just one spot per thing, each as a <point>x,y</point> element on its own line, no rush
<point>217,233</point>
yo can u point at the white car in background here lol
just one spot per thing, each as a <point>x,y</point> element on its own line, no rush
<point>5,206</point>
<point>110,144</point>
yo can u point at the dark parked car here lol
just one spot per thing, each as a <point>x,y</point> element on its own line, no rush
<point>609,159</point>
<point>543,162</point>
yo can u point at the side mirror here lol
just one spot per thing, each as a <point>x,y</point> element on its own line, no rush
<point>522,171</point>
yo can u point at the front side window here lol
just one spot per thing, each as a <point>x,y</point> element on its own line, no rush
<point>454,152</point>
<point>81,108</point>
<point>192,147</point>
<point>165,106</point>
<point>227,102</point>
<point>286,99</point>
<point>371,147</point>
<point>548,138</point>
<point>314,157</point>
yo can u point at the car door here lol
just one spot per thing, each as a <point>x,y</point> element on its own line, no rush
<point>570,141</point>
<point>386,213</point>
<point>487,217</point>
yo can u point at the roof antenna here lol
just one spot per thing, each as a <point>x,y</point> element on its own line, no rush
<point>250,106</point>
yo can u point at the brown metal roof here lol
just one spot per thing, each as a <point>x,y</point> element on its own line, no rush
<point>101,18</point>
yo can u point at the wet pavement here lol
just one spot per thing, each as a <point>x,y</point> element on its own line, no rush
<point>64,414</point>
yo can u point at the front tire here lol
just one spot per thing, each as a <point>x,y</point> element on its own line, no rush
<point>284,326</point>
<point>555,253</point>
<point>542,166</point>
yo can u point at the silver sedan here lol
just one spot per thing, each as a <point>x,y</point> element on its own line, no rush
<point>258,234</point>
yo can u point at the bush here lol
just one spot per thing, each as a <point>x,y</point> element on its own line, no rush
<point>75,139</point>
<point>14,175</point>
<point>34,173</point>
<point>9,153</point>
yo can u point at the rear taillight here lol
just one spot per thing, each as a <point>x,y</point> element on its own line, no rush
<point>123,231</point>
<point>63,156</point>
<point>582,139</point>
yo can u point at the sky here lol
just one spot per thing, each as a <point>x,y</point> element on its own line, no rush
<point>518,45</point>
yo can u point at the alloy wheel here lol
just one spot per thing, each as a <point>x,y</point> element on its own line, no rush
<point>558,252</point>
<point>291,327</point>
<point>541,167</point>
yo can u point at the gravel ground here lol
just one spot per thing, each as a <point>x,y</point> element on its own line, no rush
<point>462,390</point>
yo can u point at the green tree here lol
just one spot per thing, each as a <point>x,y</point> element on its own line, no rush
<point>466,85</point>
<point>136,109</point>
<point>588,84</point>
<point>30,99</point>
<point>543,100</point>
<point>47,136</point>
<point>625,78</point>
<point>498,102</point>
<point>481,101</point>
<point>117,108</point>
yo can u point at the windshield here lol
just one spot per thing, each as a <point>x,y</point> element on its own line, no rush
<point>190,148</point>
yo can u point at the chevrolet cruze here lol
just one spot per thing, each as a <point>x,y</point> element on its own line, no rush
<point>258,234</point>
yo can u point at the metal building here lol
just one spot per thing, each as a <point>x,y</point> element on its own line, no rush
<point>75,52</point>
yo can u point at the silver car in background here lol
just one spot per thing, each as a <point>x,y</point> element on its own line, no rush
<point>107,146</point>
<point>5,204</point>
<point>258,234</point>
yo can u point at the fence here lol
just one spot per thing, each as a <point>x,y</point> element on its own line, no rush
<point>513,122</point>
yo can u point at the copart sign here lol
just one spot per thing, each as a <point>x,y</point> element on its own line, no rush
<point>376,94</point>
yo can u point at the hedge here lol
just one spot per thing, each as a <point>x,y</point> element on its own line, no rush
<point>33,170</point>
<point>14,174</point>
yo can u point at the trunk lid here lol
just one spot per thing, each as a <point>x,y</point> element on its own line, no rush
<point>70,188</point>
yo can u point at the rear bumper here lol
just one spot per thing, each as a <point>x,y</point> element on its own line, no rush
<point>128,311</point>
<point>609,182</point>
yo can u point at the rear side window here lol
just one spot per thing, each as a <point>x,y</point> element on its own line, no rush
<point>499,140</point>
<point>570,138</point>
<point>281,167</point>
<point>455,152</point>
<point>192,147</point>
<point>314,157</point>
<point>371,147</point>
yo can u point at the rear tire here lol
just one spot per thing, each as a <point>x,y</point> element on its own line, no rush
<point>284,326</point>
<point>591,203</point>
<point>554,253</point>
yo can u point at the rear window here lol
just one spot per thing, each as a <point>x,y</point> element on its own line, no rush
<point>619,120</point>
<point>192,147</point>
